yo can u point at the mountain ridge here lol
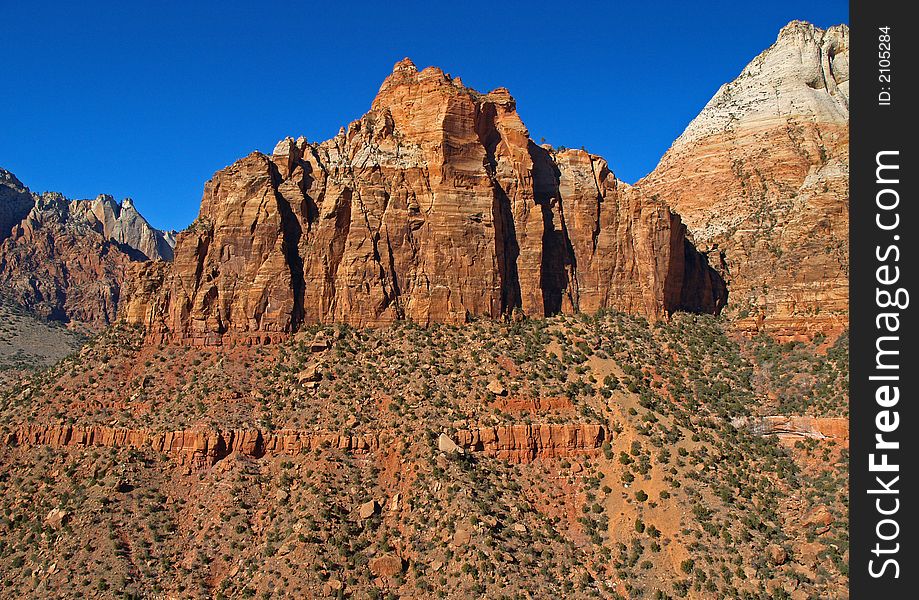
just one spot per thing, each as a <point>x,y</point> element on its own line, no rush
<point>435,206</point>
<point>66,259</point>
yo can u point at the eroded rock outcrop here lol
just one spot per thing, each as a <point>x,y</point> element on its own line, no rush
<point>196,447</point>
<point>435,206</point>
<point>525,443</point>
<point>796,426</point>
<point>761,179</point>
<point>201,448</point>
<point>66,259</point>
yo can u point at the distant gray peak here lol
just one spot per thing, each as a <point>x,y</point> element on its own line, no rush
<point>10,180</point>
<point>117,221</point>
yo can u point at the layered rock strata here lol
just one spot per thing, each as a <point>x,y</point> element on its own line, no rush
<point>793,426</point>
<point>761,179</point>
<point>435,206</point>
<point>525,443</point>
<point>201,448</point>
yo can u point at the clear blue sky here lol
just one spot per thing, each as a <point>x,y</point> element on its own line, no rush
<point>148,99</point>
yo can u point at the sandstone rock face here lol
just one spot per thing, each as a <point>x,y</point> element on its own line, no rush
<point>199,448</point>
<point>435,206</point>
<point>761,179</point>
<point>202,448</point>
<point>794,426</point>
<point>66,259</point>
<point>525,443</point>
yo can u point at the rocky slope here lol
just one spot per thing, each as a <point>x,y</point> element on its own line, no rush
<point>28,342</point>
<point>603,456</point>
<point>761,179</point>
<point>435,206</point>
<point>67,259</point>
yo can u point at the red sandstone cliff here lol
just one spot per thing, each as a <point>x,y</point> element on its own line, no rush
<point>435,206</point>
<point>202,448</point>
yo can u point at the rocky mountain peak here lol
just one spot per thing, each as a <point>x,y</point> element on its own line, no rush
<point>435,206</point>
<point>761,175</point>
<point>804,74</point>
<point>121,223</point>
<point>433,109</point>
<point>406,64</point>
<point>9,180</point>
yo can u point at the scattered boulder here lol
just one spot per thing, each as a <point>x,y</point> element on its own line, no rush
<point>462,537</point>
<point>808,553</point>
<point>331,586</point>
<point>387,566</point>
<point>497,388</point>
<point>319,343</point>
<point>367,509</point>
<point>57,518</point>
<point>777,555</point>
<point>445,444</point>
<point>285,549</point>
<point>310,373</point>
<point>820,519</point>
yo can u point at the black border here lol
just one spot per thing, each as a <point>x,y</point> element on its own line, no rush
<point>875,128</point>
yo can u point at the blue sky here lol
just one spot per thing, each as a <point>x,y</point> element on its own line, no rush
<point>148,99</point>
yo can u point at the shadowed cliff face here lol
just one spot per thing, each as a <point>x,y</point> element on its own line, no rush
<point>435,206</point>
<point>15,202</point>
